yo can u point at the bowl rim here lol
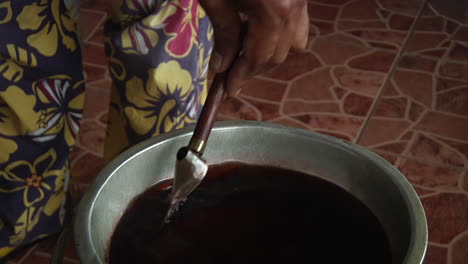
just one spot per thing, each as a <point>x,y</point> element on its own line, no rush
<point>82,222</point>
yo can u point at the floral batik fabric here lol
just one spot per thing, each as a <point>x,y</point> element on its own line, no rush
<point>41,101</point>
<point>158,60</point>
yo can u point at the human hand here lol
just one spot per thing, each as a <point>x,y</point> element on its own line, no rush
<point>273,28</point>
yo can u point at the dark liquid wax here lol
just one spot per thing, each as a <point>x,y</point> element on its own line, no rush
<point>251,214</point>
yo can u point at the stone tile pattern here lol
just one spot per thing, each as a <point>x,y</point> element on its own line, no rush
<point>331,88</point>
<point>357,81</point>
<point>87,157</point>
<point>421,122</point>
<point>425,106</point>
<point>372,23</point>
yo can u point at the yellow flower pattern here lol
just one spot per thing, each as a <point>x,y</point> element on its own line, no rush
<point>5,251</point>
<point>158,59</point>
<point>153,108</point>
<point>36,184</point>
<point>60,107</point>
<point>25,223</point>
<point>12,68</point>
<point>8,147</point>
<point>141,36</point>
<point>51,22</point>
<point>5,8</point>
<point>17,117</point>
<point>116,67</point>
<point>41,102</point>
<point>42,181</point>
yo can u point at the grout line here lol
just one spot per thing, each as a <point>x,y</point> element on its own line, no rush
<point>354,44</point>
<point>461,181</point>
<point>424,161</point>
<point>438,244</point>
<point>334,114</point>
<point>94,43</point>
<point>300,100</point>
<point>97,154</point>
<point>86,149</point>
<point>399,56</point>
<point>446,114</point>
<point>94,65</point>
<point>260,100</point>
<point>438,189</point>
<point>95,29</point>
<point>449,18</point>
<point>454,88</point>
<point>435,190</point>
<point>95,83</point>
<point>451,243</point>
<point>415,132</point>
<point>443,58</point>
<point>458,237</point>
<point>449,255</point>
<point>266,78</point>
<point>314,129</point>
<point>299,76</point>
<point>72,260</point>
<point>345,43</point>
<point>434,93</point>
<point>28,254</point>
<point>436,73</point>
<point>283,99</point>
<point>83,152</point>
<point>68,259</point>
<point>440,136</point>
<point>427,195</point>
<point>442,143</point>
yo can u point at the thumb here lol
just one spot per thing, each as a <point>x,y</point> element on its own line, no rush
<point>226,25</point>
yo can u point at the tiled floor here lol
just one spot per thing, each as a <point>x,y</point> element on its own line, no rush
<point>391,75</point>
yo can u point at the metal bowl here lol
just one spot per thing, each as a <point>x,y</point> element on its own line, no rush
<point>364,174</point>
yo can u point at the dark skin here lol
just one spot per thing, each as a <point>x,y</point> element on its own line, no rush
<point>272,29</point>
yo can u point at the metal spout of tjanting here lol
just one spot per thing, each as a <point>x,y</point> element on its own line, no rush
<point>190,167</point>
<point>189,172</point>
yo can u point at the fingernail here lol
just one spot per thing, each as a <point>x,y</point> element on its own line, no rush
<point>216,61</point>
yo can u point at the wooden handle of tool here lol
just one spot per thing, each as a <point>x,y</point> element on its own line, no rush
<point>210,109</point>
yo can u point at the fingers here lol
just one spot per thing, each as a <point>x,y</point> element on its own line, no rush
<point>264,31</point>
<point>259,48</point>
<point>274,28</point>
<point>301,29</point>
<point>226,25</point>
<point>295,33</point>
<point>286,40</point>
<point>236,76</point>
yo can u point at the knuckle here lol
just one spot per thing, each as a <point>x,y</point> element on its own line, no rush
<point>258,61</point>
<point>300,4</point>
<point>256,58</point>
<point>277,60</point>
<point>284,7</point>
